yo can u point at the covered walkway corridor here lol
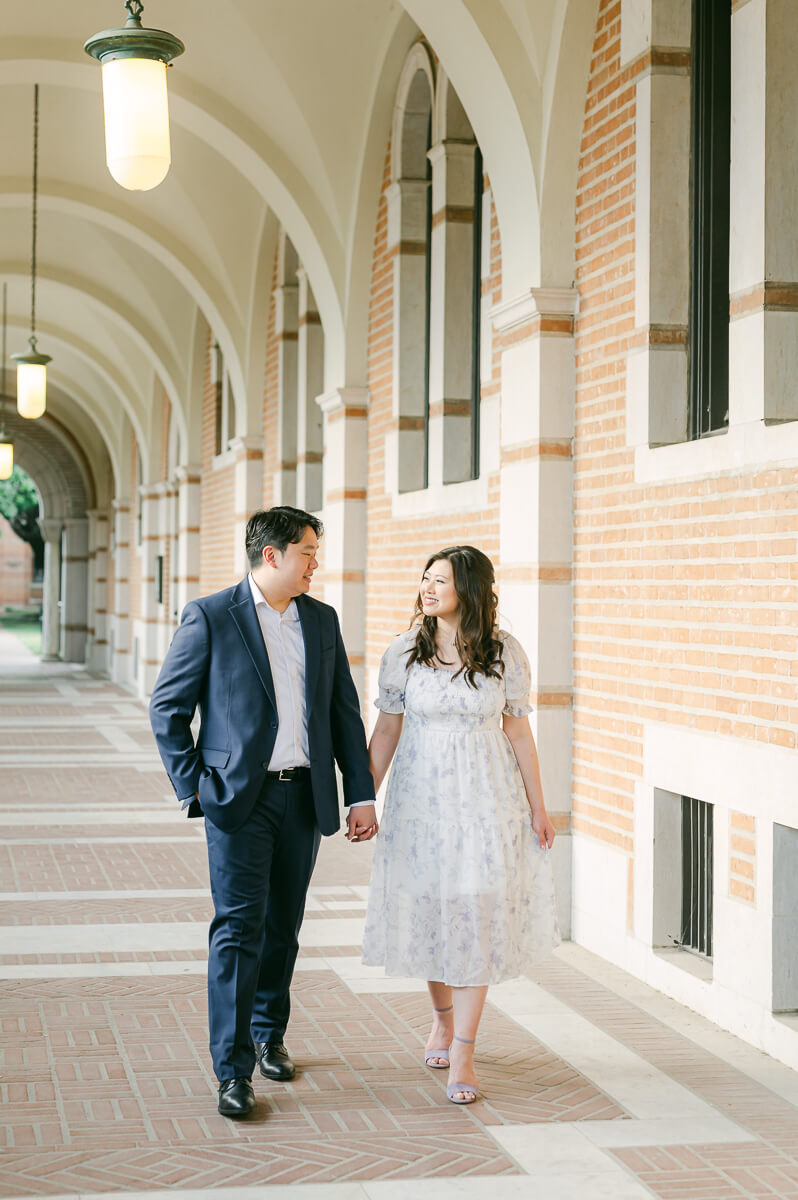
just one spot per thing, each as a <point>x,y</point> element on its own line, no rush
<point>595,1085</point>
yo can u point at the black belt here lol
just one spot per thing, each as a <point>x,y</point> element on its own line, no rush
<point>289,775</point>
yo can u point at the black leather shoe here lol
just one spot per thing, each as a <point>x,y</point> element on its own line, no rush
<point>274,1061</point>
<point>236,1097</point>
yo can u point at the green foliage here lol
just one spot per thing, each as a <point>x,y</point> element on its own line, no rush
<point>18,496</point>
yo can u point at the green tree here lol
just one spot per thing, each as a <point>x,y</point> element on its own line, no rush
<point>19,504</point>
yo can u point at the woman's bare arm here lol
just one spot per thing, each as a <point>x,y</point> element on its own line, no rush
<point>520,737</point>
<point>383,743</point>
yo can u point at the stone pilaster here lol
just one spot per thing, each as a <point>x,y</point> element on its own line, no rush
<point>407,208</point>
<point>286,308</point>
<point>51,529</point>
<point>75,589</point>
<point>187,574</point>
<point>119,623</point>
<point>763,258</point>
<point>344,549</point>
<point>451,316</point>
<point>97,639</point>
<point>310,382</point>
<point>536,529</point>
<point>248,492</point>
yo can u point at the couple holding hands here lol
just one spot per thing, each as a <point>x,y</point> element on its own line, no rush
<point>461,891</point>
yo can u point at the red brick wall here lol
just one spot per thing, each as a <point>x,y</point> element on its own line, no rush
<point>217,527</point>
<point>16,567</point>
<point>397,549</point>
<point>684,593</point>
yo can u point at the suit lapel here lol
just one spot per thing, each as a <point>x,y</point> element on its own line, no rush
<point>242,610</point>
<point>309,621</point>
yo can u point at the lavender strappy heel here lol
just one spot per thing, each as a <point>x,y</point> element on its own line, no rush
<point>469,1090</point>
<point>444,1054</point>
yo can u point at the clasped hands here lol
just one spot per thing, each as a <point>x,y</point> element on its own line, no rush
<point>361,823</point>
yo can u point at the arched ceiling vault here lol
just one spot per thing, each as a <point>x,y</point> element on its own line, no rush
<point>51,455</point>
<point>281,115</point>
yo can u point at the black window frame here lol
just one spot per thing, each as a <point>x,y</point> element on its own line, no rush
<point>698,824</point>
<point>476,314</point>
<point>710,159</point>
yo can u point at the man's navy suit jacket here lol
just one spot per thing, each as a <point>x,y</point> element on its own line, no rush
<point>217,662</point>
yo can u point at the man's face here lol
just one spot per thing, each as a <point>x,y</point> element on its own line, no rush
<point>295,565</point>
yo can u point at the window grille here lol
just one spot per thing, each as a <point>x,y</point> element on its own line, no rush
<point>697,840</point>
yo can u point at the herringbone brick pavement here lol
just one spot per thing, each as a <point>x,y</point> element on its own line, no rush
<point>105,1077</point>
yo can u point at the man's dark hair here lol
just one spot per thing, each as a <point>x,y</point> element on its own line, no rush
<point>277,527</point>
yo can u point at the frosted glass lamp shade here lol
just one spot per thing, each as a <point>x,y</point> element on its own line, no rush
<point>31,389</point>
<point>137,147</point>
<point>6,459</point>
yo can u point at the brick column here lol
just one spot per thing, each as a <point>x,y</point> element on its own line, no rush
<point>248,492</point>
<point>763,260</point>
<point>51,588</point>
<point>75,589</point>
<point>97,641</point>
<point>188,536</point>
<point>310,382</point>
<point>119,623</point>
<point>344,547</point>
<point>536,530</point>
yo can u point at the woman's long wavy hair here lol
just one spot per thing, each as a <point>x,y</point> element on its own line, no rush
<point>477,640</point>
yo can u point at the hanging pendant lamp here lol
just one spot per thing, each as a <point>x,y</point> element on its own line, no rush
<point>32,367</point>
<point>6,443</point>
<point>134,61</point>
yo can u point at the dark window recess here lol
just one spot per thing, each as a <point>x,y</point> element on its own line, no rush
<point>217,449</point>
<point>697,822</point>
<point>476,315</point>
<point>159,578</point>
<point>427,295</point>
<point>708,321</point>
<point>217,376</point>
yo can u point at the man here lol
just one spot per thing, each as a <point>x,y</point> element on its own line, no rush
<point>266,666</point>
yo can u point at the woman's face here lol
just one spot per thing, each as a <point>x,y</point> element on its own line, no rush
<point>438,597</point>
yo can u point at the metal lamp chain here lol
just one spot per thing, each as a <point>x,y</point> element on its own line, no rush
<point>35,195</point>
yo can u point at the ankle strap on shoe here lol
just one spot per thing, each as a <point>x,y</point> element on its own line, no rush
<point>443,1010</point>
<point>466,1041</point>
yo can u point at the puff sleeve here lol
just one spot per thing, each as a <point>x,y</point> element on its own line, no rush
<point>517,678</point>
<point>393,676</point>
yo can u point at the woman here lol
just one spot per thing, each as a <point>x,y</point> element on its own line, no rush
<point>461,892</point>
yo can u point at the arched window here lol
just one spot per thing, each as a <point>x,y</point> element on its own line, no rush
<point>300,379</point>
<point>224,411</point>
<point>410,231</point>
<point>435,207</point>
<point>457,199</point>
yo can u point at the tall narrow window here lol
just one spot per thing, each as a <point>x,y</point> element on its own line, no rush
<point>708,329</point>
<point>217,379</point>
<point>409,206</point>
<point>427,298</point>
<point>476,315</point>
<point>697,843</point>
